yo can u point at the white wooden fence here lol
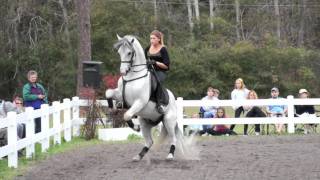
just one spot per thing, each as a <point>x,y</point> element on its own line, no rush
<point>53,125</point>
<point>290,102</point>
<point>56,120</point>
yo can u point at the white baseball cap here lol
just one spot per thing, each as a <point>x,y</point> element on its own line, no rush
<point>303,91</point>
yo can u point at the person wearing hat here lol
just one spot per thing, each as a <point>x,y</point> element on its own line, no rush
<point>277,110</point>
<point>304,110</point>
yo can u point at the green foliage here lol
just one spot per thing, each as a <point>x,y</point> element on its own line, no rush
<point>199,58</point>
<point>134,137</point>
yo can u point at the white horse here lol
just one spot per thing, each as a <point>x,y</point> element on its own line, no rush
<point>134,90</point>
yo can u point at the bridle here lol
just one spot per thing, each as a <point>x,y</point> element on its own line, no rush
<point>126,42</point>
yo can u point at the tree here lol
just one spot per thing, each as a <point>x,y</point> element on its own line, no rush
<point>84,27</point>
<point>278,20</point>
<point>237,7</point>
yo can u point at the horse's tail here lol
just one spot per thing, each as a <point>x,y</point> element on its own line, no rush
<point>186,145</point>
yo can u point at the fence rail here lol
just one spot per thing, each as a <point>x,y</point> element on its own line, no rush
<point>53,127</point>
<point>290,119</point>
<point>50,127</point>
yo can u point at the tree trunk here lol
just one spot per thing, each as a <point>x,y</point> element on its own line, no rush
<point>278,20</point>
<point>302,23</point>
<point>155,9</point>
<point>196,10</point>
<point>84,50</point>
<point>212,6</point>
<point>190,15</point>
<point>237,6</point>
<point>66,22</point>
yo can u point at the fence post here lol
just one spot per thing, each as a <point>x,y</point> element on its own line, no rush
<point>30,149</point>
<point>45,142</point>
<point>290,114</point>
<point>75,116</point>
<point>67,119</point>
<point>12,140</point>
<point>56,122</point>
<point>180,113</point>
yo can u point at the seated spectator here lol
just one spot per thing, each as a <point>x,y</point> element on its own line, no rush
<point>277,110</point>
<point>304,110</point>
<point>209,111</point>
<point>5,107</point>
<point>195,128</point>
<point>253,111</point>
<point>219,129</point>
<point>18,103</point>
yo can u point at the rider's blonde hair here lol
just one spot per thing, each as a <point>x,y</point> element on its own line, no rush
<point>159,35</point>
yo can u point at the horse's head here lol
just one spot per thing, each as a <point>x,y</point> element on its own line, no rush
<point>128,48</point>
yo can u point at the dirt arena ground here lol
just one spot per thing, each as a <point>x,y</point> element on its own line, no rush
<point>252,157</point>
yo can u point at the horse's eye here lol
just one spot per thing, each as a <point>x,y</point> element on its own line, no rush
<point>129,53</point>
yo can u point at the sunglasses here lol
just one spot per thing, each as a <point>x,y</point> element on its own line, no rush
<point>19,103</point>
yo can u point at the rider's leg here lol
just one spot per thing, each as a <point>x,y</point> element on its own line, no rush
<point>160,96</point>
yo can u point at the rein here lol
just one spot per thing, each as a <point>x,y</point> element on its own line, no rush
<point>133,55</point>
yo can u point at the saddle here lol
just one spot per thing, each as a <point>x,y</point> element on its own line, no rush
<point>156,87</point>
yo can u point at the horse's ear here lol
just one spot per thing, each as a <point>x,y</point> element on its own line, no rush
<point>119,38</point>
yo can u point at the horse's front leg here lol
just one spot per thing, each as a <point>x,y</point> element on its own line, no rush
<point>136,107</point>
<point>146,132</point>
<point>113,94</point>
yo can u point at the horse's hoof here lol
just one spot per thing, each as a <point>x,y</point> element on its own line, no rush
<point>169,157</point>
<point>136,158</point>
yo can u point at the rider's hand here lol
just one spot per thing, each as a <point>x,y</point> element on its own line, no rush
<point>40,96</point>
<point>152,62</point>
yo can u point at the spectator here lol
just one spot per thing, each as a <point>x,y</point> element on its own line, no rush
<point>34,95</point>
<point>195,128</point>
<point>209,111</point>
<point>240,92</point>
<point>18,103</point>
<point>277,110</point>
<point>5,107</point>
<point>253,111</point>
<point>305,110</point>
<point>219,129</point>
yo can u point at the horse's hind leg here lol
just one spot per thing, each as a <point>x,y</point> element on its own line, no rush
<point>170,126</point>
<point>146,132</point>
